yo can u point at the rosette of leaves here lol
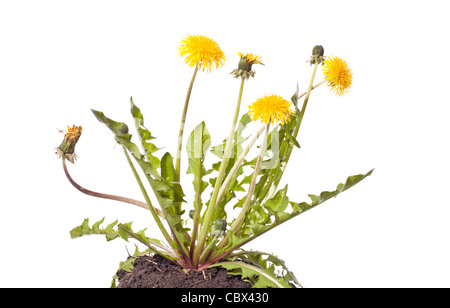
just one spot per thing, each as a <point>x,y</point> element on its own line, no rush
<point>179,221</point>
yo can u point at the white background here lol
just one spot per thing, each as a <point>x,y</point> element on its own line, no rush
<point>58,59</point>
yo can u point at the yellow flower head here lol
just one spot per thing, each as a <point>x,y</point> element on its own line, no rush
<point>271,109</point>
<point>245,65</point>
<point>67,147</point>
<point>202,50</point>
<point>338,75</point>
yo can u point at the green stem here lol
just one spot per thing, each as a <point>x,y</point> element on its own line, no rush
<point>237,164</point>
<point>241,217</point>
<point>212,203</point>
<point>208,248</point>
<point>183,120</point>
<point>286,152</point>
<point>147,199</point>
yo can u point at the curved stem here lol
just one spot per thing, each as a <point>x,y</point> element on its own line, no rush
<point>104,196</point>
<point>183,120</point>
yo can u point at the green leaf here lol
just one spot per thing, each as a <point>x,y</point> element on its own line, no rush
<point>169,175</point>
<point>258,276</point>
<point>269,262</point>
<point>255,225</point>
<point>144,135</point>
<point>84,229</point>
<point>127,265</point>
<point>169,194</point>
<point>115,230</point>
<point>120,130</point>
<point>278,203</point>
<point>197,146</point>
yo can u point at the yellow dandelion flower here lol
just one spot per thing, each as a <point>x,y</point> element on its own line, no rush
<point>250,59</point>
<point>271,109</point>
<point>245,65</point>
<point>202,50</point>
<point>338,75</point>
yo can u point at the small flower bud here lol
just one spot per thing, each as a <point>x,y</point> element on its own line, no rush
<point>219,227</point>
<point>317,55</point>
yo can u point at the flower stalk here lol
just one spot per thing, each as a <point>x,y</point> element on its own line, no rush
<point>213,201</point>
<point>238,163</point>
<point>102,195</point>
<point>147,199</point>
<point>182,123</point>
<point>286,152</point>
<point>240,219</point>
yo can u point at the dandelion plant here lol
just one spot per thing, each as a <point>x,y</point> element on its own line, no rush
<point>206,233</point>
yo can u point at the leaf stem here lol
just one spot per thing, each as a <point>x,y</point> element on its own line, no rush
<point>213,201</point>
<point>183,120</point>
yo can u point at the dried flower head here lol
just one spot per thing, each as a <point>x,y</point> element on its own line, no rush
<point>245,65</point>
<point>271,109</point>
<point>338,75</point>
<point>67,147</point>
<point>203,51</point>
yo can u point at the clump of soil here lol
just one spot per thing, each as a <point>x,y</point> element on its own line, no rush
<point>158,272</point>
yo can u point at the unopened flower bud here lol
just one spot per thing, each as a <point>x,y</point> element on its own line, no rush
<point>317,55</point>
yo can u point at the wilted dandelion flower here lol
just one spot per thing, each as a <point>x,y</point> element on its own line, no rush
<point>338,75</point>
<point>271,109</point>
<point>245,65</point>
<point>67,147</point>
<point>202,50</point>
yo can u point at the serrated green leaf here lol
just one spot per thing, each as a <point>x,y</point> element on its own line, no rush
<point>144,135</point>
<point>127,265</point>
<point>120,130</point>
<point>255,228</point>
<point>197,146</point>
<point>262,278</point>
<point>84,229</point>
<point>270,262</point>
<point>169,194</point>
<point>279,202</point>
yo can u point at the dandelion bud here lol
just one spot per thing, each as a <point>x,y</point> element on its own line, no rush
<point>219,227</point>
<point>317,55</point>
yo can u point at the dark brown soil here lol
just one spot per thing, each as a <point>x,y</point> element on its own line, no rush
<point>158,272</point>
